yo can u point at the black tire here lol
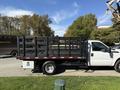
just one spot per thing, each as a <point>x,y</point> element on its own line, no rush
<point>13,53</point>
<point>49,68</point>
<point>117,66</point>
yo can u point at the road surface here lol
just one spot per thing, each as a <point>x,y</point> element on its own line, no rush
<point>12,67</point>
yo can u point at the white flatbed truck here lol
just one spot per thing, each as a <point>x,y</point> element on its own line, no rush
<point>47,53</point>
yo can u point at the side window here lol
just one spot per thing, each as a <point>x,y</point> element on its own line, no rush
<point>97,46</point>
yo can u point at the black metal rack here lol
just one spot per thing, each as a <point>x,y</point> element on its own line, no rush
<point>52,47</point>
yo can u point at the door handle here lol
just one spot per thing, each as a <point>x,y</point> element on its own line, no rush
<point>92,54</point>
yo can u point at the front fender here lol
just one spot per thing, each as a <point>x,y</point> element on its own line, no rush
<point>116,57</point>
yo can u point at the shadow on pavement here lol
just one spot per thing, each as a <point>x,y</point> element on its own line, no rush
<point>87,70</point>
<point>6,56</point>
<point>90,70</point>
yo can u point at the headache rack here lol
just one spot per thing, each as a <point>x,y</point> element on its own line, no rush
<point>40,48</point>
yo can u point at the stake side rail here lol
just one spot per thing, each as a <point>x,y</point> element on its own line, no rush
<point>62,48</point>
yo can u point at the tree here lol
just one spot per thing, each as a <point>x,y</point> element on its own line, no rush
<point>40,25</point>
<point>82,26</point>
<point>108,36</point>
<point>116,25</point>
<point>9,25</point>
<point>24,24</point>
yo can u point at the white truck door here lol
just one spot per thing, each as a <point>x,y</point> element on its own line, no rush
<point>100,55</point>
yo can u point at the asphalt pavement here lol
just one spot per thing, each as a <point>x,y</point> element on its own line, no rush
<point>11,67</point>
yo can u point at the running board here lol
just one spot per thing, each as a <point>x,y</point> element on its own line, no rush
<point>82,65</point>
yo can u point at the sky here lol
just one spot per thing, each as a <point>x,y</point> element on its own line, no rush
<point>61,12</point>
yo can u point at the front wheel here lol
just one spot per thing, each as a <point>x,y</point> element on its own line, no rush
<point>117,66</point>
<point>49,68</point>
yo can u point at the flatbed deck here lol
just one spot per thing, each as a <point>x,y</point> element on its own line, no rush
<point>49,58</point>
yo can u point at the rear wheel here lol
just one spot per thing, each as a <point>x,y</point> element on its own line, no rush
<point>13,53</point>
<point>117,66</point>
<point>49,68</point>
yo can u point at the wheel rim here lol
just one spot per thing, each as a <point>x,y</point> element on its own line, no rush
<point>13,53</point>
<point>49,68</point>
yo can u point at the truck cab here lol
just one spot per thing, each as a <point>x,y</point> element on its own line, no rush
<point>102,55</point>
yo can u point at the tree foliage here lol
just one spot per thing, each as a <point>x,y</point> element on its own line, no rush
<point>86,26</point>
<point>82,26</point>
<point>108,36</point>
<point>40,25</point>
<point>25,24</point>
<point>116,25</point>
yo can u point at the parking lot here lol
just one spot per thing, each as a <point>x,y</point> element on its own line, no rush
<point>12,67</point>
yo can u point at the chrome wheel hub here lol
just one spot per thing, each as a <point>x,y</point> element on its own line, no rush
<point>49,68</point>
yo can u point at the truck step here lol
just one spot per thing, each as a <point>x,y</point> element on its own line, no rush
<point>81,65</point>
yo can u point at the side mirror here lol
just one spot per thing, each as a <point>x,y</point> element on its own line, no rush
<point>110,50</point>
